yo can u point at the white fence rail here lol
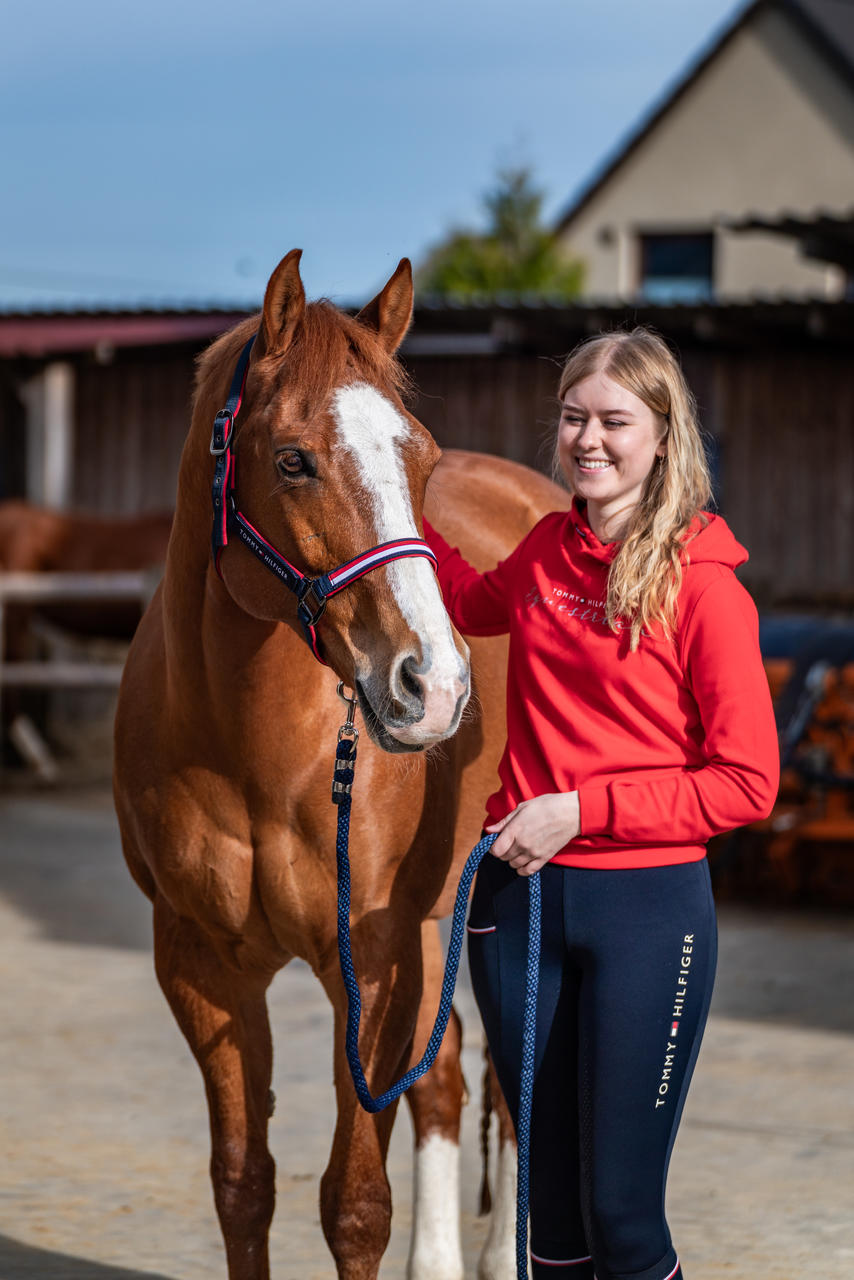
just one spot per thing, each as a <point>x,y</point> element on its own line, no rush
<point>49,588</point>
<point>35,589</point>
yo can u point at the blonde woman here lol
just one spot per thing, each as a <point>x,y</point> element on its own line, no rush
<point>639,725</point>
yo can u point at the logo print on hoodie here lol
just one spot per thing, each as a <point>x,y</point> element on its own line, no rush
<point>559,600</point>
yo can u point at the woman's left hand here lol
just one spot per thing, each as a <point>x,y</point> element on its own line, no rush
<point>536,830</point>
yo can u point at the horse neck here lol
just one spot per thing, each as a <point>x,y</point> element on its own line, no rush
<point>194,597</point>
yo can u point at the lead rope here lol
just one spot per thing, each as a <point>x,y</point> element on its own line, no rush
<point>342,786</point>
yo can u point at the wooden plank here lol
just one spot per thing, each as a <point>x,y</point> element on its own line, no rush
<point>55,675</point>
<point>34,587</point>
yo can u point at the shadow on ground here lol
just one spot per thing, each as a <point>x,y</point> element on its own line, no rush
<point>794,968</point>
<point>61,865</point>
<point>25,1262</point>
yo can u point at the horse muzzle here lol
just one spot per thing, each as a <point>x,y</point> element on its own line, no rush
<point>415,705</point>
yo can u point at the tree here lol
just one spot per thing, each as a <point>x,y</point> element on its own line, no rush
<point>515,255</point>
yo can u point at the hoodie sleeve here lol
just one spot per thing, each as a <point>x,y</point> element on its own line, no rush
<point>477,602</point>
<point>739,780</point>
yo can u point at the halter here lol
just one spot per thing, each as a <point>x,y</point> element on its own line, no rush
<point>311,593</point>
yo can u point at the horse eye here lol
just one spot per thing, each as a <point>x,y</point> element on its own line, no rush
<point>291,463</point>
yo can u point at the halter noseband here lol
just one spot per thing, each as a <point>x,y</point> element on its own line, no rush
<point>311,593</point>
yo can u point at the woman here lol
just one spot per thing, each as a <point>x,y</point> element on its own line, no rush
<point>639,724</point>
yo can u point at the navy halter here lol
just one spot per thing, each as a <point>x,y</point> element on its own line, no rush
<point>311,593</point>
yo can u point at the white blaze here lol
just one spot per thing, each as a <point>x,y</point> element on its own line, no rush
<point>373,433</point>
<point>435,1252</point>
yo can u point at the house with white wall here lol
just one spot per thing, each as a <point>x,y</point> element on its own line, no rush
<point>759,130</point>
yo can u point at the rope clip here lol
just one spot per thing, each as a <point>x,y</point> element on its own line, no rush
<point>348,729</point>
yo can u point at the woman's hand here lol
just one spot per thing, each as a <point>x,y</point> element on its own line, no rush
<point>535,831</point>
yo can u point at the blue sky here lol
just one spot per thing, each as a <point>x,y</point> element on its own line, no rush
<point>173,152</point>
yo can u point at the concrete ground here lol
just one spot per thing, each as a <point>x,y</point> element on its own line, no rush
<point>104,1126</point>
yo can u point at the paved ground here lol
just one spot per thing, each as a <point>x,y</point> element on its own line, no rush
<point>104,1129</point>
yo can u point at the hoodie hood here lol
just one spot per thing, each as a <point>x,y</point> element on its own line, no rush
<point>709,540</point>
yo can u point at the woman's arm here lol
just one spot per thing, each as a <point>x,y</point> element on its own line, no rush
<point>738,783</point>
<point>476,602</point>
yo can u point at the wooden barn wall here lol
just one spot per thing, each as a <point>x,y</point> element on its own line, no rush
<point>132,419</point>
<point>780,433</point>
<point>788,464</point>
<point>781,427</point>
<point>504,404</point>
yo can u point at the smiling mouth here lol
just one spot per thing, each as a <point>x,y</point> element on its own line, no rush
<point>593,464</point>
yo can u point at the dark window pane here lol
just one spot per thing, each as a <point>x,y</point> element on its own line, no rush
<point>676,268</point>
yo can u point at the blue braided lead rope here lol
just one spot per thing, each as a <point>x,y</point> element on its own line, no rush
<point>345,760</point>
<point>526,1079</point>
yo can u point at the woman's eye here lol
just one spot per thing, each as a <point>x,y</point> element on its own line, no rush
<point>291,463</point>
<point>614,422</point>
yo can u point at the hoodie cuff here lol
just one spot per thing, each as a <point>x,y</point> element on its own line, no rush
<point>595,807</point>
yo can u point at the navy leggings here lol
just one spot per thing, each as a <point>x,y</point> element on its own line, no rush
<point>626,972</point>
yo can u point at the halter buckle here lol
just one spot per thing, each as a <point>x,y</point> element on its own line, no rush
<point>312,603</point>
<point>222,430</point>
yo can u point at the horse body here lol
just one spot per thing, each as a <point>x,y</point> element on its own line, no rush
<point>224,743</point>
<point>37,539</point>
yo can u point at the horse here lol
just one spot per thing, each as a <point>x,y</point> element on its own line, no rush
<point>225,732</point>
<point>36,539</point>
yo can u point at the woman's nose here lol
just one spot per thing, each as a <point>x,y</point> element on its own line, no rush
<point>588,434</point>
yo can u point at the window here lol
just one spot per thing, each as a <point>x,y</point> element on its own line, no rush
<point>676,267</point>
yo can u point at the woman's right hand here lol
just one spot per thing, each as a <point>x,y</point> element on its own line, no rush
<point>536,830</point>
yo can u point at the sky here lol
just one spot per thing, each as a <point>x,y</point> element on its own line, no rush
<point>170,153</point>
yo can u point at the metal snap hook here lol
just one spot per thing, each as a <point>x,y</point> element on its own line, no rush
<point>348,729</point>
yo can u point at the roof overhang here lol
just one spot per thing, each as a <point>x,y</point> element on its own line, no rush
<point>41,335</point>
<point>825,237</point>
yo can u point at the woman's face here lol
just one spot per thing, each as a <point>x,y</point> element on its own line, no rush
<point>608,441</point>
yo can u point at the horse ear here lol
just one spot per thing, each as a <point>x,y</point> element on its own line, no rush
<point>284,307</point>
<point>390,312</point>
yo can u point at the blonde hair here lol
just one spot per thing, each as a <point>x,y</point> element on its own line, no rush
<point>646,573</point>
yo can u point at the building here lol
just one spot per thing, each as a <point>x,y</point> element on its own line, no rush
<point>761,128</point>
<point>726,222</point>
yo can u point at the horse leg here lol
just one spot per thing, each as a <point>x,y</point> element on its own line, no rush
<point>498,1256</point>
<point>223,1015</point>
<point>355,1197</point>
<point>436,1102</point>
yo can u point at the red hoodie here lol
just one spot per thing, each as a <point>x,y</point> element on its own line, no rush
<point>667,745</point>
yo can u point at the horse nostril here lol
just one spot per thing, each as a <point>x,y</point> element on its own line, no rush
<point>409,680</point>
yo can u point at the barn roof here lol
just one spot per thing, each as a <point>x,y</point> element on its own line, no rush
<point>476,327</point>
<point>40,334</point>
<point>537,326</point>
<point>827,24</point>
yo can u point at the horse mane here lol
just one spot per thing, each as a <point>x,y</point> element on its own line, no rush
<point>328,346</point>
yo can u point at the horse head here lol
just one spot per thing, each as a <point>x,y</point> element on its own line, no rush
<point>330,465</point>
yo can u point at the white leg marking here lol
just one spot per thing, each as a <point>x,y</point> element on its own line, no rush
<point>435,1251</point>
<point>498,1258</point>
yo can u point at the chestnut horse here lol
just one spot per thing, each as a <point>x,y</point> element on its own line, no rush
<point>37,539</point>
<point>225,735</point>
